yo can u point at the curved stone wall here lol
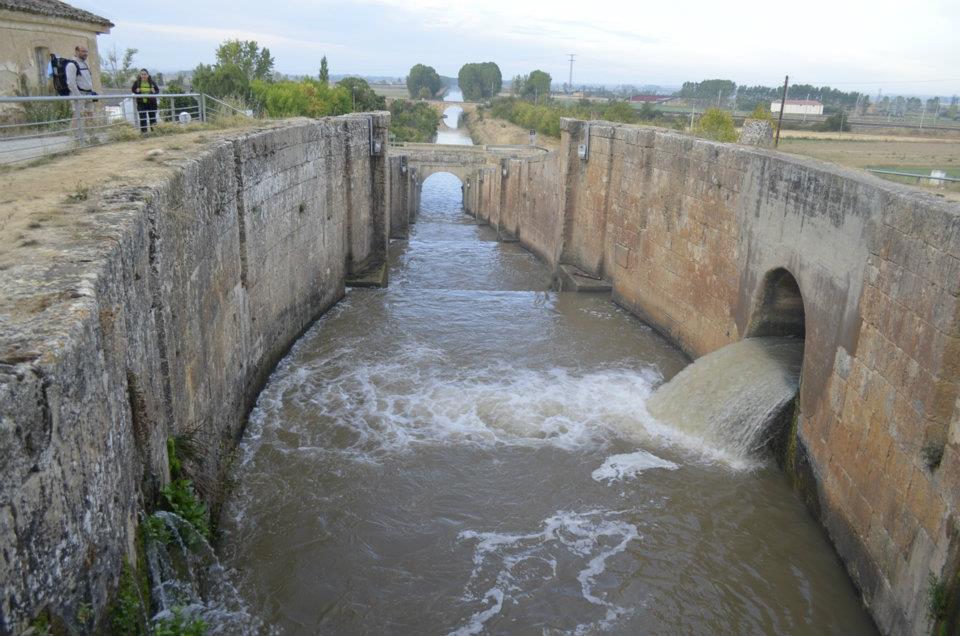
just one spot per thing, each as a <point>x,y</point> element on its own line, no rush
<point>167,320</point>
<point>687,231</point>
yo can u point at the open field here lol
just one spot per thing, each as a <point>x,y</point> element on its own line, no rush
<point>905,154</point>
<point>391,91</point>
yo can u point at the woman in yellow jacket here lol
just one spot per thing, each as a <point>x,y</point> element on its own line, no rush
<point>146,106</point>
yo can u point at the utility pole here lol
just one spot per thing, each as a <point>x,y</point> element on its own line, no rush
<point>719,94</point>
<point>783,102</point>
<point>570,79</point>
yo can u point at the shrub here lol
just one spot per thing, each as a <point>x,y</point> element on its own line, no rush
<point>716,124</point>
<point>411,121</point>
<point>309,98</point>
<point>545,118</point>
<point>180,498</point>
<point>836,122</point>
<point>761,112</point>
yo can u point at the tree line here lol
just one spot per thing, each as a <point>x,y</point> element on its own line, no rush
<point>243,72</point>
<point>478,81</point>
<point>745,98</point>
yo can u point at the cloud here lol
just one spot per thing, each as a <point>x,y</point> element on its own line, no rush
<point>217,35</point>
<point>872,41</point>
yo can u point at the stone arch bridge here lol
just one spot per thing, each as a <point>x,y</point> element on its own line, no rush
<point>441,106</point>
<point>463,161</point>
<point>421,160</point>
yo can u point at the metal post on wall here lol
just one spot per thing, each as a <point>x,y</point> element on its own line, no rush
<point>783,103</point>
<point>79,113</point>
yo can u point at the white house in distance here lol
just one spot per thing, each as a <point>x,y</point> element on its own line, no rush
<point>798,107</point>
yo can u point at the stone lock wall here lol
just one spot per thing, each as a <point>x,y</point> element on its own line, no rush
<point>167,320</point>
<point>689,232</point>
<point>521,204</point>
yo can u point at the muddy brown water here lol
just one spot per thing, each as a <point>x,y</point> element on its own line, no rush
<point>468,452</point>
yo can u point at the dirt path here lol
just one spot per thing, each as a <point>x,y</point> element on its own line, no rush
<point>42,205</point>
<point>492,131</point>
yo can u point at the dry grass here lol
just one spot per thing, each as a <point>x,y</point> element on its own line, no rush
<point>493,131</point>
<point>39,203</point>
<point>916,155</point>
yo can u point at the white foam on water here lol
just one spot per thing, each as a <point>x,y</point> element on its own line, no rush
<point>366,410</point>
<point>378,408</point>
<point>563,537</point>
<point>475,626</point>
<point>629,465</point>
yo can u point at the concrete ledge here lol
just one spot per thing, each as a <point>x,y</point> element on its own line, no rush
<point>574,279</point>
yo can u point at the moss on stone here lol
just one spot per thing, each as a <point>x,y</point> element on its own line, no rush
<point>127,613</point>
<point>792,457</point>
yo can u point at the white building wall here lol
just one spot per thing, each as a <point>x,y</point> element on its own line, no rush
<point>797,109</point>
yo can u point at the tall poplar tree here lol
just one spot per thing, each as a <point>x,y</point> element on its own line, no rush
<point>324,71</point>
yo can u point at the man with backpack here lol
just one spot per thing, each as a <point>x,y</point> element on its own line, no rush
<point>80,82</point>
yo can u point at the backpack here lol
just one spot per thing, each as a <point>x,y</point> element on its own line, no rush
<point>58,71</point>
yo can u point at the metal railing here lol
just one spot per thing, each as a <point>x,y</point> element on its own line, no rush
<point>40,125</point>
<point>931,177</point>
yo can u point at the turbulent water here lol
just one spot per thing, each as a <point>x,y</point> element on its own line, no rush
<point>730,398</point>
<point>467,452</point>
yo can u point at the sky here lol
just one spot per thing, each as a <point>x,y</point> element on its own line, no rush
<point>897,47</point>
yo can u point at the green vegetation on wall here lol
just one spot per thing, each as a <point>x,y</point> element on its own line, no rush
<point>179,624</point>
<point>179,496</point>
<point>128,613</point>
